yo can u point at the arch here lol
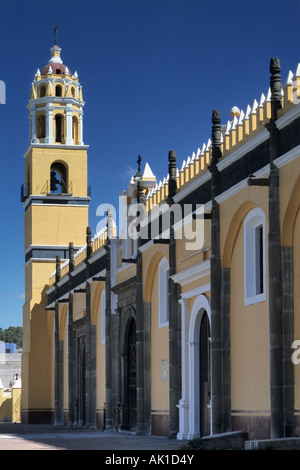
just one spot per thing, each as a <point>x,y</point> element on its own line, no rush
<point>42,90</point>
<point>59,128</point>
<point>75,134</point>
<point>254,256</point>
<point>163,292</point>
<point>200,307</point>
<point>290,216</point>
<point>59,176</point>
<point>41,126</point>
<point>58,90</point>
<point>233,230</point>
<point>128,370</point>
<point>62,322</point>
<point>150,275</point>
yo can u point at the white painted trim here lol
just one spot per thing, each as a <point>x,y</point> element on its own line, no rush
<point>288,157</point>
<point>42,260</point>
<point>183,405</point>
<point>289,117</point>
<point>254,218</point>
<point>197,271</point>
<point>197,291</point>
<point>263,172</point>
<point>200,305</point>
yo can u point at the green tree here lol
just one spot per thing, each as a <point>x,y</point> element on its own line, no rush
<point>13,334</point>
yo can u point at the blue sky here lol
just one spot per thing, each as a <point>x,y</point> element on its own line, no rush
<point>152,71</point>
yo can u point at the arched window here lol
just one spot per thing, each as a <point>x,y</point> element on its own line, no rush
<point>42,91</point>
<point>58,90</point>
<point>73,92</point>
<point>41,126</point>
<point>58,178</point>
<point>163,292</point>
<point>254,257</point>
<point>59,123</point>
<point>75,130</point>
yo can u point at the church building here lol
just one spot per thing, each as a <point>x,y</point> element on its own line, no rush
<point>183,320</point>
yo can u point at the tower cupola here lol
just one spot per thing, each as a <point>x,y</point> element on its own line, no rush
<point>56,104</point>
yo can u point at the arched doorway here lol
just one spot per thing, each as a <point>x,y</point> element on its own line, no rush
<point>131,375</point>
<point>127,420</point>
<point>199,369</point>
<point>204,375</point>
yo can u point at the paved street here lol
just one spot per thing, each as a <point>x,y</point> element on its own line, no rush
<point>40,437</point>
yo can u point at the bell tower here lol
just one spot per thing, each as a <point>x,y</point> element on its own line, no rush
<point>55,197</point>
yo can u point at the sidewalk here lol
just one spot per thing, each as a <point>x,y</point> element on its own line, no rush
<point>48,437</point>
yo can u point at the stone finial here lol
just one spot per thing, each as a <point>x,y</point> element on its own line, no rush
<point>216,137</point>
<point>275,85</point>
<point>89,246</point>
<point>140,192</point>
<point>71,257</point>
<point>109,224</point>
<point>172,173</point>
<point>57,271</point>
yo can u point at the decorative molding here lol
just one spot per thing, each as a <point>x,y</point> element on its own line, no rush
<point>193,273</point>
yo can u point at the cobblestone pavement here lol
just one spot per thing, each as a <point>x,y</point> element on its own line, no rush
<point>40,437</point>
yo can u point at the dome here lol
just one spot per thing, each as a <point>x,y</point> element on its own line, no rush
<point>57,68</point>
<point>56,63</point>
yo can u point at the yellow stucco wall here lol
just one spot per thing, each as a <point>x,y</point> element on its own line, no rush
<point>159,353</point>
<point>40,160</point>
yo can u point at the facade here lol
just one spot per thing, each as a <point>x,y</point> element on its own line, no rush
<point>183,322</point>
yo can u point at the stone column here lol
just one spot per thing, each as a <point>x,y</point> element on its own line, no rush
<point>90,350</point>
<point>69,138</point>
<point>58,378</point>
<point>140,326</point>
<point>288,338</point>
<point>226,348</point>
<point>71,343</point>
<point>108,344</point>
<point>49,127</point>
<point>275,270</point>
<point>215,276</point>
<point>81,128</point>
<point>34,139</point>
<point>174,312</point>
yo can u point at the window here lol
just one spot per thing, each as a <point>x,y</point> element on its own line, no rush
<point>163,292</point>
<point>58,178</point>
<point>42,91</point>
<point>58,90</point>
<point>41,126</point>
<point>59,121</point>
<point>254,257</point>
<point>75,130</point>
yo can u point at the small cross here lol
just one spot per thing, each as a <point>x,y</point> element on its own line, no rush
<point>55,31</point>
<point>139,163</point>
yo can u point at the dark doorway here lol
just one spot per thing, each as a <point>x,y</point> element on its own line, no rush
<point>204,361</point>
<point>131,354</point>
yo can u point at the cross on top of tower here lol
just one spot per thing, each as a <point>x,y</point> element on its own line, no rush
<point>139,160</point>
<point>55,32</point>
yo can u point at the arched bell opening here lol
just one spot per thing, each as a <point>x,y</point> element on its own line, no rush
<point>59,178</point>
